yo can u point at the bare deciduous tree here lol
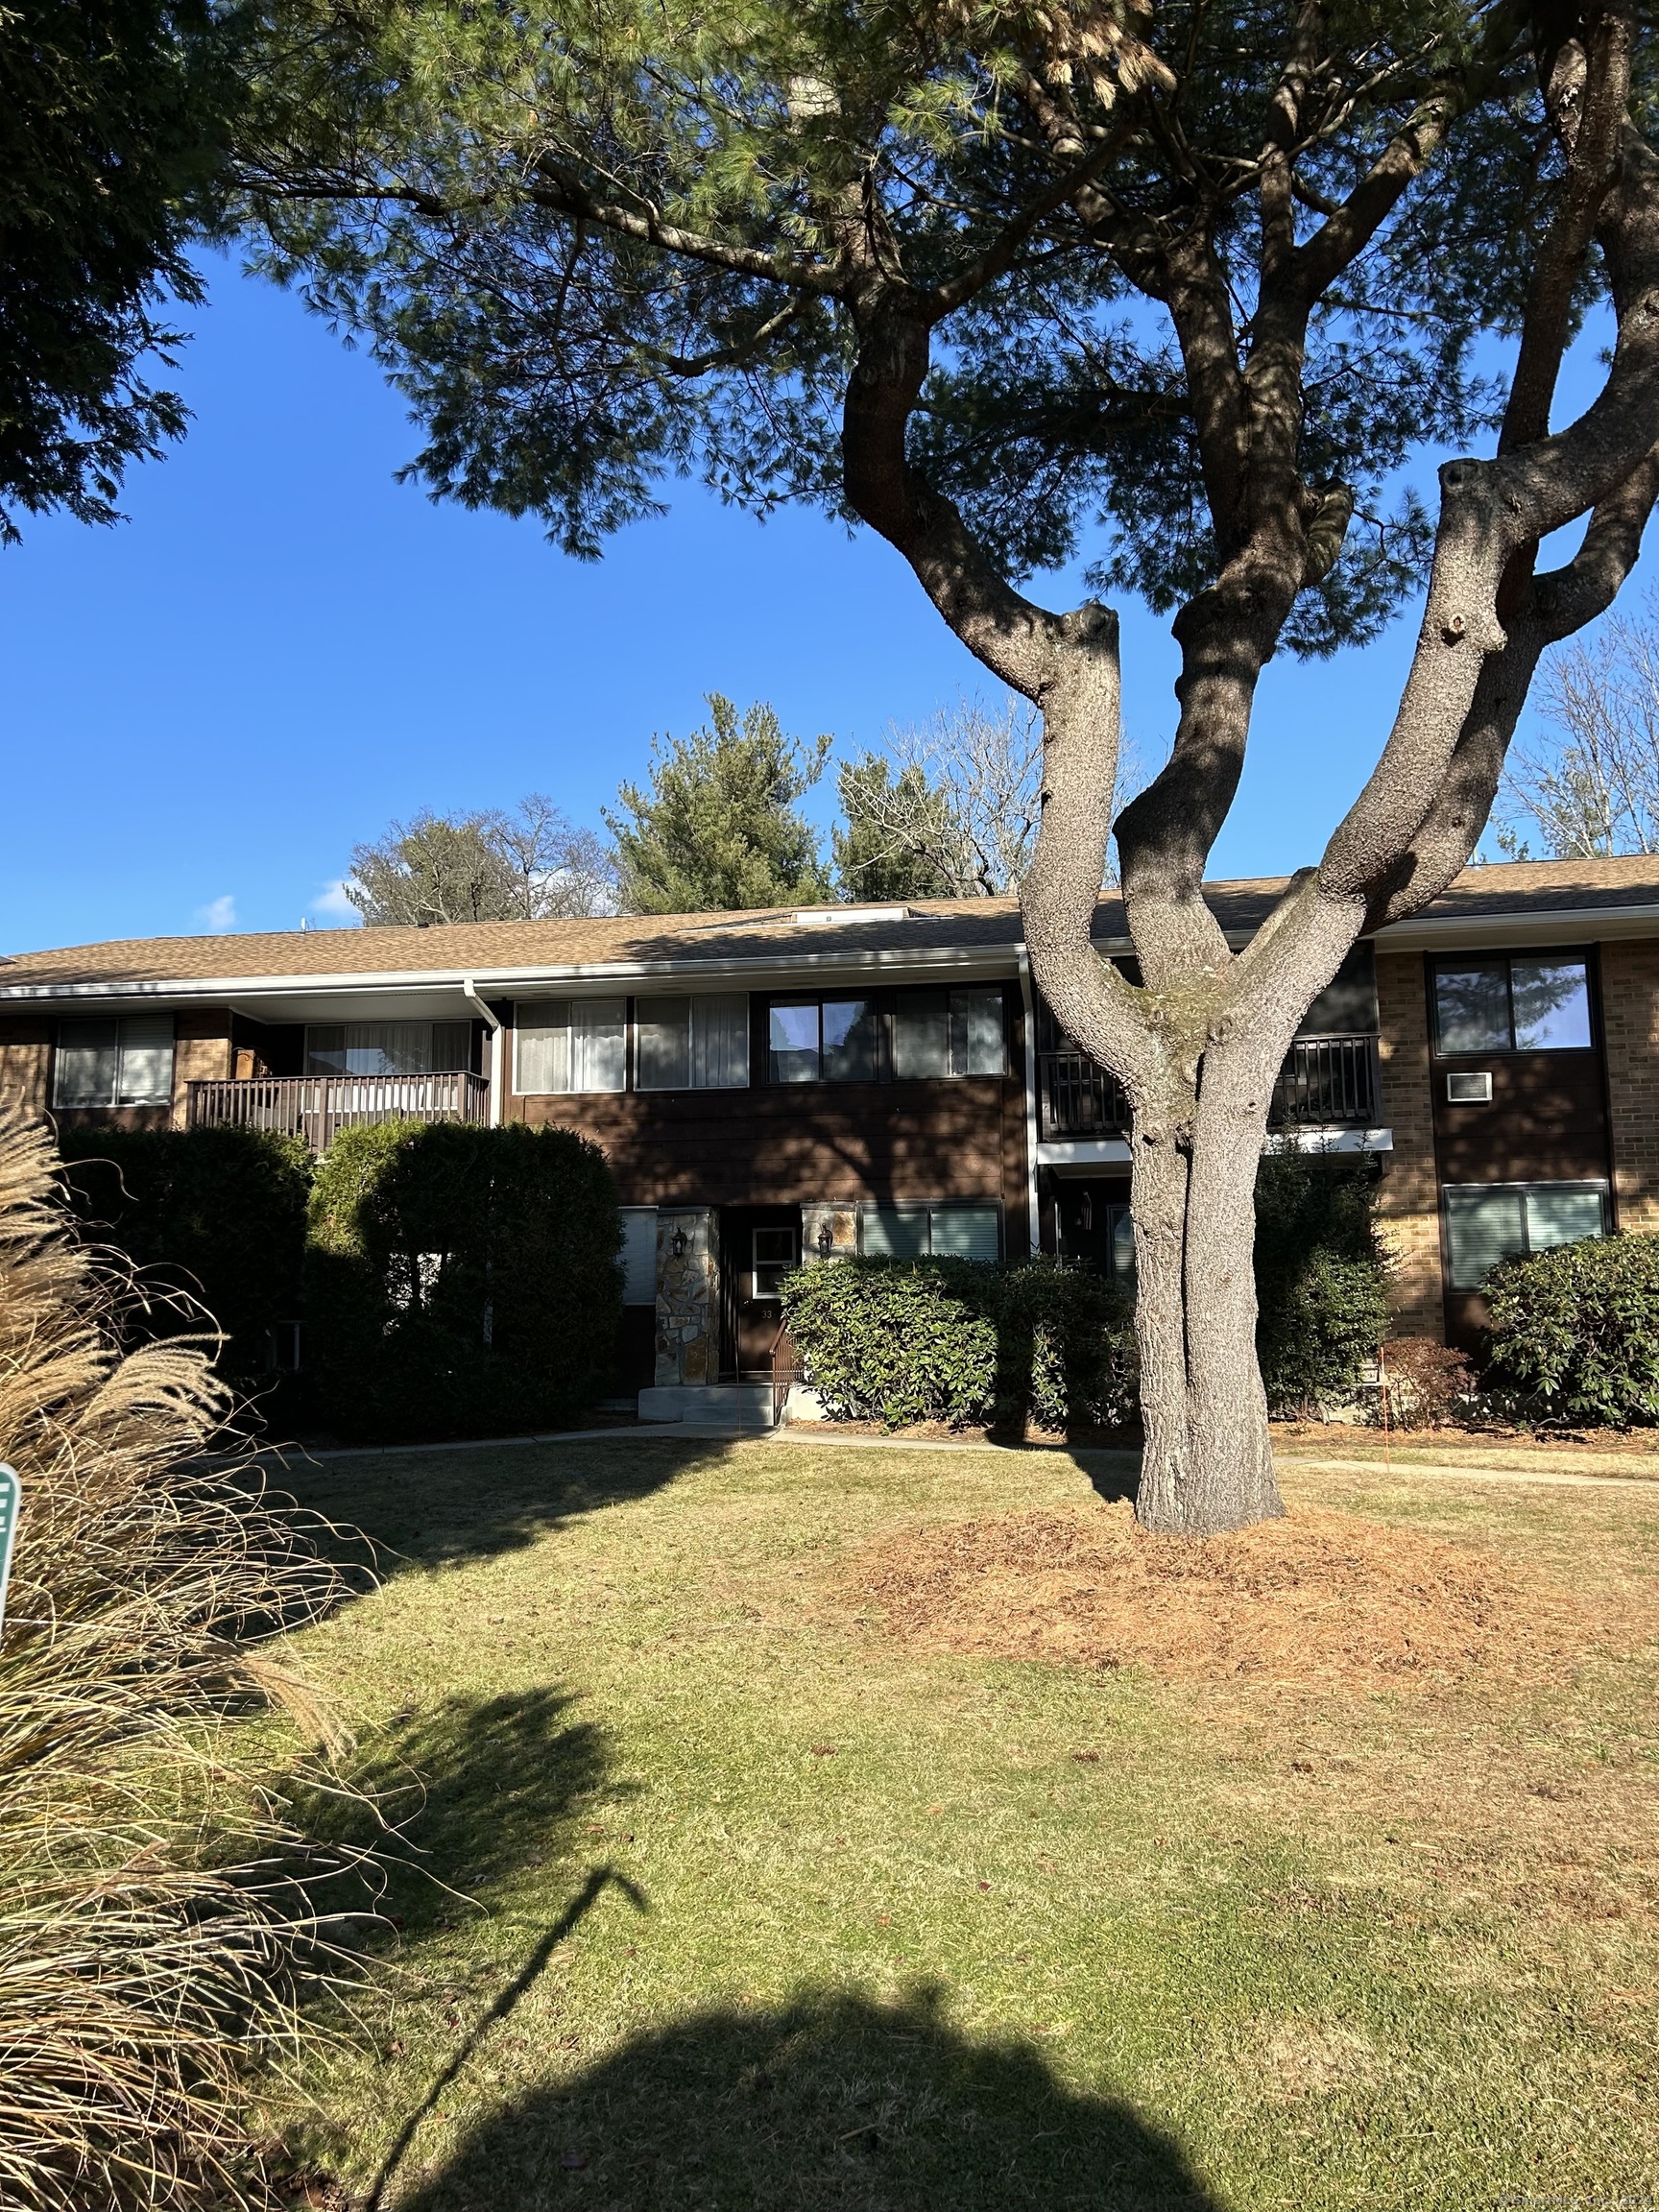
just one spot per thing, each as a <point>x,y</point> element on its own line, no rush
<point>957,800</point>
<point>532,865</point>
<point>1595,789</point>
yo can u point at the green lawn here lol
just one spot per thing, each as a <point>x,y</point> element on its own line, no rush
<point>745,1905</point>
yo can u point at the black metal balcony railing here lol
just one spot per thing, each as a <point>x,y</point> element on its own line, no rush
<point>317,1107</point>
<point>1326,1082</point>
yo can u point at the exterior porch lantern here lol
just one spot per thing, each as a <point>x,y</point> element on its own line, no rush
<point>676,1243</point>
<point>826,1239</point>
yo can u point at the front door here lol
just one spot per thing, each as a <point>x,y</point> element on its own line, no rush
<point>758,1246</point>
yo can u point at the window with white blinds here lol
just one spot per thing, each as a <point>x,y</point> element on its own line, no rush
<point>695,1044</point>
<point>125,1061</point>
<point>572,1044</point>
<point>954,1232</point>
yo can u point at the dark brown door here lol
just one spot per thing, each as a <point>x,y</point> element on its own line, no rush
<point>758,1245</point>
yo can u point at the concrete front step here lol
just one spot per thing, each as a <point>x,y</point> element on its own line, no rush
<point>713,1405</point>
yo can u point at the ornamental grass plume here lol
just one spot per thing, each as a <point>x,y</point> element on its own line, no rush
<point>158,1909</point>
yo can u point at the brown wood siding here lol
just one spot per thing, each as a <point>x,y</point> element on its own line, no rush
<point>1547,1123</point>
<point>765,1146</point>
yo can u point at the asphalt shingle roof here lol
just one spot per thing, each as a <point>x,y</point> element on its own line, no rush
<point>932,924</point>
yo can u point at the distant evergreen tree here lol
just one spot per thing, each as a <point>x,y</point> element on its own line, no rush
<point>718,827</point>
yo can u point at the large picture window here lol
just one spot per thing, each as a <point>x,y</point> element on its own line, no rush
<point>1503,1004</point>
<point>387,1047</point>
<point>127,1062</point>
<point>825,1041</point>
<point>696,1044</point>
<point>1486,1222</point>
<point>940,1033</point>
<point>959,1231</point>
<point>568,1044</point>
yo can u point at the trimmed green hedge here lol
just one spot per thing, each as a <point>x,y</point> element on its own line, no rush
<point>217,1215</point>
<point>1321,1282</point>
<point>1574,1333</point>
<point>962,1340</point>
<point>460,1280</point>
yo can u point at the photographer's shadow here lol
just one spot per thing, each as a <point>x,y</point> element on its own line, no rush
<point>834,2101</point>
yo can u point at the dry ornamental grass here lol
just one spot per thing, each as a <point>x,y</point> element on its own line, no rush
<point>158,1909</point>
<point>1318,1600</point>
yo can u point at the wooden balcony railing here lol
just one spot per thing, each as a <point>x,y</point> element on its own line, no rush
<point>1326,1082</point>
<point>317,1107</point>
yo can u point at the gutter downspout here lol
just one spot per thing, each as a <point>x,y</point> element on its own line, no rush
<point>470,992</point>
<point>1033,1218</point>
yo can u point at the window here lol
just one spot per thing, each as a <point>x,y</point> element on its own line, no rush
<point>565,1045</point>
<point>939,1033</point>
<point>639,1254</point>
<point>1486,1222</point>
<point>825,1041</point>
<point>930,1231</point>
<point>775,1251</point>
<point>388,1047</point>
<point>119,1063</point>
<point>1512,1006</point>
<point>698,1044</point>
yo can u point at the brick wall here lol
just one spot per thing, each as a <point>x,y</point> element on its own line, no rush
<point>1630,1018</point>
<point>25,1057</point>
<point>201,1055</point>
<point>1408,1204</point>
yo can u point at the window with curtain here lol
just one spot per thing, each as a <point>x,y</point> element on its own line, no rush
<point>1505,1004</point>
<point>123,1062</point>
<point>1486,1222</point>
<point>942,1033</point>
<point>825,1041</point>
<point>572,1044</point>
<point>959,1231</point>
<point>387,1047</point>
<point>695,1044</point>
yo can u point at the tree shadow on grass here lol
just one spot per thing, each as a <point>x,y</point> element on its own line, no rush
<point>394,1511</point>
<point>469,1796</point>
<point>833,2102</point>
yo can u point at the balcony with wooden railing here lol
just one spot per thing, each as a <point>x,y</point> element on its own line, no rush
<point>1326,1083</point>
<point>317,1107</point>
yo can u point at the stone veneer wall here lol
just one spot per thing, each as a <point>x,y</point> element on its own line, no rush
<point>1408,1201</point>
<point>1630,1020</point>
<point>687,1297</point>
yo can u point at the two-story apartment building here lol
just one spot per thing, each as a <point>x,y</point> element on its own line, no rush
<point>882,1079</point>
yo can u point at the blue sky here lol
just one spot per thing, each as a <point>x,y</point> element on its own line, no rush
<point>283,649</point>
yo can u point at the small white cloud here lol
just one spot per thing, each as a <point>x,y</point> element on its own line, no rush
<point>331,903</point>
<point>218,914</point>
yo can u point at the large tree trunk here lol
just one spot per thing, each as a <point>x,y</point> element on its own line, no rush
<point>1208,1462</point>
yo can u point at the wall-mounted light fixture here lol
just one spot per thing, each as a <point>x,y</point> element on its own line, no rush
<point>676,1243</point>
<point>826,1239</point>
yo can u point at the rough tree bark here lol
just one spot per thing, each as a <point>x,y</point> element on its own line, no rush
<point>1198,1043</point>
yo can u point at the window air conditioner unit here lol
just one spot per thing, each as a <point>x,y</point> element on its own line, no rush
<point>1469,1090</point>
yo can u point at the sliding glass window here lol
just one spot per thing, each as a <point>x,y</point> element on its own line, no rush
<point>823,1041</point>
<point>572,1044</point>
<point>1512,1006</point>
<point>1487,1222</point>
<point>127,1062</point>
<point>696,1044</point>
<point>945,1033</point>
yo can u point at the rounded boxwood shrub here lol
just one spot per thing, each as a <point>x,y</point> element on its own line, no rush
<point>1574,1333</point>
<point>217,1216</point>
<point>460,1280</point>
<point>960,1340</point>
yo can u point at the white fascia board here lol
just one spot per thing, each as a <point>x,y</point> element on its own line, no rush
<point>1083,1155</point>
<point>826,967</point>
<point>1526,925</point>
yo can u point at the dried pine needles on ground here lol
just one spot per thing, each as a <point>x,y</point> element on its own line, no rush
<point>159,1911</point>
<point>1320,1600</point>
